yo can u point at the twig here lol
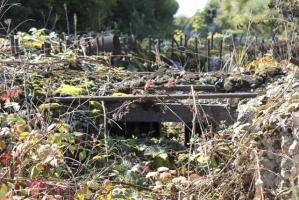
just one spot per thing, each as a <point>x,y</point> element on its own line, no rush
<point>132,185</point>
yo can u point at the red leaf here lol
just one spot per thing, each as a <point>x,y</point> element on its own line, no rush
<point>14,92</point>
<point>149,84</point>
<point>169,84</point>
<point>5,98</point>
<point>37,186</point>
<point>5,158</point>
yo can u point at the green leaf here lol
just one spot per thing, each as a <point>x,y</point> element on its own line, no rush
<point>34,172</point>
<point>156,151</point>
<point>82,155</point>
<point>99,157</point>
<point>78,134</point>
<point>3,190</point>
<point>72,149</point>
<point>93,185</point>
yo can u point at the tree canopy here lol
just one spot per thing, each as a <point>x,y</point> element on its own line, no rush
<point>234,16</point>
<point>141,17</point>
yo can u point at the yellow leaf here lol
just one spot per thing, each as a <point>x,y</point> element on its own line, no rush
<point>107,186</point>
<point>2,145</point>
<point>201,159</point>
<point>24,135</point>
<point>61,129</point>
<point>82,194</point>
<point>52,138</point>
<point>100,197</point>
<point>109,196</point>
<point>243,149</point>
<point>19,128</point>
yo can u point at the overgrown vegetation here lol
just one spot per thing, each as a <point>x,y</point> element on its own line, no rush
<point>51,149</point>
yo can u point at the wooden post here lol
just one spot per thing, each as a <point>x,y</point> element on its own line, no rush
<point>159,44</point>
<point>196,46</point>
<point>186,41</point>
<point>98,45</point>
<point>79,43</point>
<point>60,46</point>
<point>212,41</point>
<point>172,46</point>
<point>181,44</point>
<point>103,44</point>
<point>208,55</point>
<point>89,46</point>
<point>43,49</point>
<point>12,44</point>
<point>47,48</point>
<point>150,44</point>
<point>65,40</point>
<point>256,46</point>
<point>220,52</point>
<point>17,46</point>
<point>188,133</point>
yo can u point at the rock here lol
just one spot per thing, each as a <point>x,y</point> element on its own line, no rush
<point>152,175</point>
<point>295,85</point>
<point>162,169</point>
<point>165,176</point>
<point>157,188</point>
<point>246,112</point>
<point>181,180</point>
<point>173,172</point>
<point>236,82</point>
<point>241,129</point>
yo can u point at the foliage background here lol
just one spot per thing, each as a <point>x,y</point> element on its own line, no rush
<point>139,17</point>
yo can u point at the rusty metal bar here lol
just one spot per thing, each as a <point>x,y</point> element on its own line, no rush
<point>184,88</point>
<point>154,97</point>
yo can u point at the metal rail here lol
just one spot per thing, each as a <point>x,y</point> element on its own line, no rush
<point>154,97</point>
<point>184,88</point>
